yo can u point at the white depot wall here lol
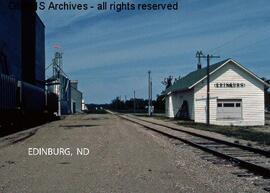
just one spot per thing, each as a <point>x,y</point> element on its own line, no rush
<point>169,106</point>
<point>175,100</point>
<point>252,96</point>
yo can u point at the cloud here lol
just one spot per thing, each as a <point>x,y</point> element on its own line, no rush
<point>105,49</point>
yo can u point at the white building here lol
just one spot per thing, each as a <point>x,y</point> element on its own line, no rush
<point>236,96</point>
<point>84,107</point>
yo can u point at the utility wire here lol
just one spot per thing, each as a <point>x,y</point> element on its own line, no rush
<point>235,39</point>
<point>48,66</point>
<point>252,44</point>
<point>228,42</point>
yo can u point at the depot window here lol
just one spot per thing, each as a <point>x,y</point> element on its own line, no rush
<point>228,105</point>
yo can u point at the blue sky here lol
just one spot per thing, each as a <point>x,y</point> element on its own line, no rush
<point>110,53</point>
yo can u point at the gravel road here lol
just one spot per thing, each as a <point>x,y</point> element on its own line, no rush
<point>123,158</point>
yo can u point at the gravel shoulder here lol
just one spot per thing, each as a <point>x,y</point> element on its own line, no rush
<point>124,158</point>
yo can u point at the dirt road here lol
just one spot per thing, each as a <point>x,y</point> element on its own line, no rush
<point>123,158</point>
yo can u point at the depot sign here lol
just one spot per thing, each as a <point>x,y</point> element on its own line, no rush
<point>229,85</point>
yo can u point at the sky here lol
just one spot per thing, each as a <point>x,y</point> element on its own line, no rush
<point>110,52</point>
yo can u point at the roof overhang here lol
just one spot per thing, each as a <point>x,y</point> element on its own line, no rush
<point>176,91</point>
<point>239,65</point>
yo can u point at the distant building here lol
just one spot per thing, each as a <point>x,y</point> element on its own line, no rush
<point>60,85</point>
<point>76,97</point>
<point>70,98</point>
<point>236,96</point>
<point>84,107</point>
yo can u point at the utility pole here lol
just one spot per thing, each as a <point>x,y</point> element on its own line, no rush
<point>151,96</point>
<point>208,90</point>
<point>149,93</point>
<point>208,58</point>
<point>134,102</point>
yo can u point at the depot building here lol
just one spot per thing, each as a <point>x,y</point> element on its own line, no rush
<point>236,96</point>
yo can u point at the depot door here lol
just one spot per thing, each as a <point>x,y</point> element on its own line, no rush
<point>229,109</point>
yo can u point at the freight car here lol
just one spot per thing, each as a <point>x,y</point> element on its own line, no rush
<point>23,104</point>
<point>8,99</point>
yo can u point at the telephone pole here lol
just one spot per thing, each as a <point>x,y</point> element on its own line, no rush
<point>134,102</point>
<point>208,58</point>
<point>149,93</point>
<point>151,96</point>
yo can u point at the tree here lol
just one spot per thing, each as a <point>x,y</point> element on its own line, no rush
<point>117,103</point>
<point>159,103</point>
<point>167,82</point>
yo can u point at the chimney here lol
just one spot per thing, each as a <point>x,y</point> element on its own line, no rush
<point>199,55</point>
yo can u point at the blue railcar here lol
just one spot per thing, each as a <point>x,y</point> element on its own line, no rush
<point>8,93</point>
<point>32,98</point>
<point>23,104</point>
<point>51,103</point>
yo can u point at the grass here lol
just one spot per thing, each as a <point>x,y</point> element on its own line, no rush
<point>156,116</point>
<point>246,133</point>
<point>255,134</point>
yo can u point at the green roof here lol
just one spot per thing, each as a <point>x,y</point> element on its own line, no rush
<point>186,82</point>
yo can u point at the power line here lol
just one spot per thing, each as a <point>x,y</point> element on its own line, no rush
<point>251,44</point>
<point>228,42</point>
<point>48,66</point>
<point>235,39</point>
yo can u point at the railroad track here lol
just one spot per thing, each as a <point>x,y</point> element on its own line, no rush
<point>252,159</point>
